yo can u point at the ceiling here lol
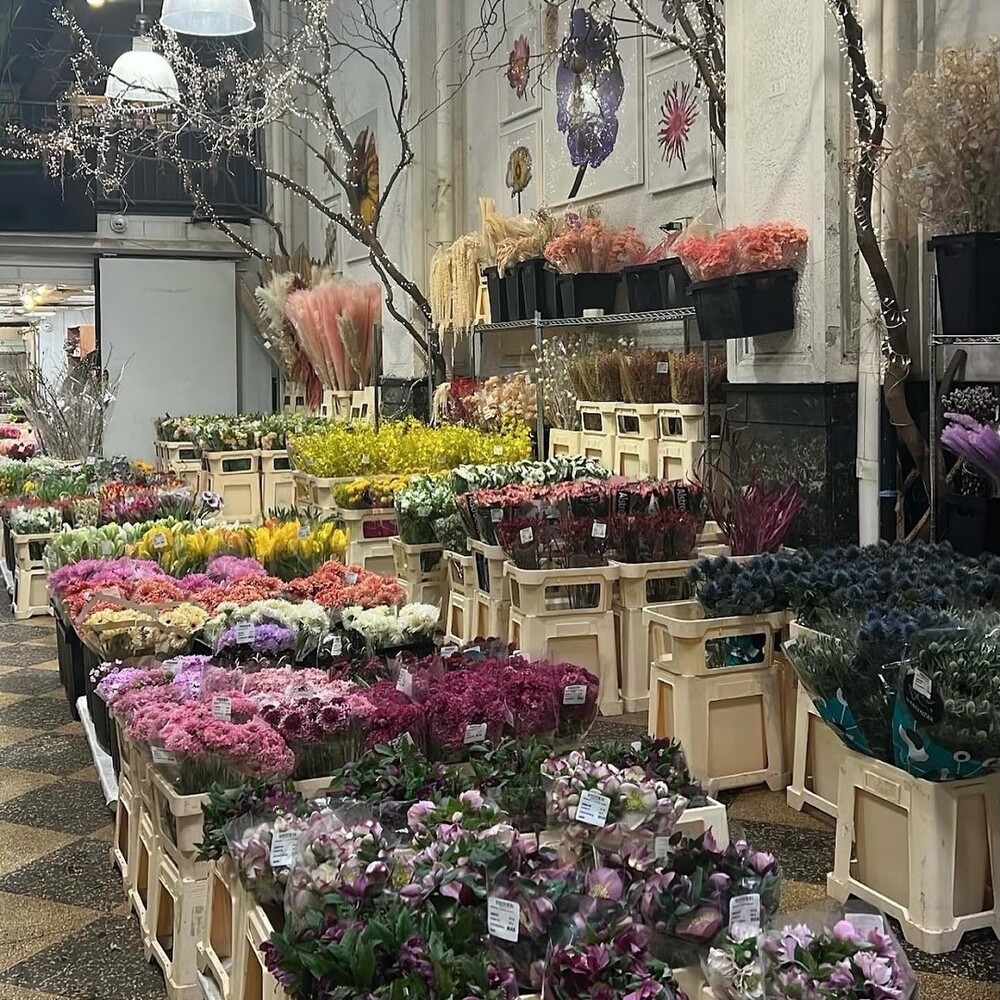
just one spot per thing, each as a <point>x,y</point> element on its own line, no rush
<point>25,303</point>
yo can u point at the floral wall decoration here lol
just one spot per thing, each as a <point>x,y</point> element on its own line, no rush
<point>520,169</point>
<point>678,146</point>
<point>363,176</point>
<point>519,67</point>
<point>518,172</point>
<point>593,95</point>
<point>518,77</point>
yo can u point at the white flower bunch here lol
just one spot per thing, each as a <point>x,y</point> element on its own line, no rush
<point>384,626</point>
<point>35,520</point>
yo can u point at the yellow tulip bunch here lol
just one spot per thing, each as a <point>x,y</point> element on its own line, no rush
<point>292,549</point>
<point>339,450</point>
<point>363,493</point>
<point>187,547</point>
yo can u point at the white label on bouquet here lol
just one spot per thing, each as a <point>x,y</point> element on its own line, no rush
<point>599,530</point>
<point>222,708</point>
<point>865,923</point>
<point>526,536</point>
<point>350,579</point>
<point>922,684</point>
<point>447,651</point>
<point>661,847</point>
<point>246,632</point>
<point>284,848</point>
<point>498,450</point>
<point>575,694</point>
<point>304,531</point>
<point>744,916</point>
<point>423,512</point>
<point>503,918</point>
<point>662,367</point>
<point>161,756</point>
<point>405,682</point>
<point>496,515</point>
<point>923,172</point>
<point>475,733</point>
<point>593,808</point>
<point>366,459</point>
<point>107,548</point>
<point>336,644</point>
<point>636,746</point>
<point>159,541</point>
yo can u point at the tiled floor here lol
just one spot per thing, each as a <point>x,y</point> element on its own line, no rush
<point>65,929</point>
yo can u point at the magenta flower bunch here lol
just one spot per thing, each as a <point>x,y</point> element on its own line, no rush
<point>101,572</point>
<point>228,569</point>
<point>466,709</point>
<point>119,679</point>
<point>393,715</point>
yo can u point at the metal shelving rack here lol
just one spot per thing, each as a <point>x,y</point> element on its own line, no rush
<point>539,325</point>
<point>938,339</point>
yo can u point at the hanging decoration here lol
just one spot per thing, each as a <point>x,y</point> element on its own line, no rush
<point>363,177</point>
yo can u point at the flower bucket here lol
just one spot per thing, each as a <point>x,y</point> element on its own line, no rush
<point>596,290</point>
<point>552,297</point>
<point>967,268</point>
<point>512,291</point>
<point>972,524</point>
<point>645,287</point>
<point>746,305</point>
<point>676,285</point>
<point>496,287</point>
<point>533,285</point>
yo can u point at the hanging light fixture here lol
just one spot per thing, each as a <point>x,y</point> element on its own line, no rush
<point>208,17</point>
<point>142,74</point>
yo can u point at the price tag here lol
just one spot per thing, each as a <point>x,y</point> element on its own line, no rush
<point>447,651</point>
<point>575,694</point>
<point>526,535</point>
<point>107,548</point>
<point>476,733</point>
<point>246,632</point>
<point>593,808</point>
<point>510,718</point>
<point>744,916</point>
<point>284,847</point>
<point>496,515</point>
<point>473,649</point>
<point>599,530</point>
<point>222,708</point>
<point>636,746</point>
<point>922,684</point>
<point>423,512</point>
<point>405,682</point>
<point>865,923</point>
<point>662,367</point>
<point>350,579</point>
<point>923,172</point>
<point>161,756</point>
<point>304,531</point>
<point>336,644</point>
<point>159,541</point>
<point>661,847</point>
<point>91,460</point>
<point>498,450</point>
<point>503,919</point>
<point>366,459</point>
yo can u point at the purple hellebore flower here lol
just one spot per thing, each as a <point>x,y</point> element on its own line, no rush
<point>876,970</point>
<point>842,977</point>
<point>604,883</point>
<point>418,812</point>
<point>843,930</point>
<point>540,911</point>
<point>719,881</point>
<point>648,989</point>
<point>501,978</point>
<point>589,89</point>
<point>699,925</point>
<point>791,939</point>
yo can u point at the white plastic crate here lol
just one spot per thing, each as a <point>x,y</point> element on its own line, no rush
<point>597,434</point>
<point>123,847</point>
<point>925,852</point>
<point>224,934</point>
<point>729,722</point>
<point>178,822</point>
<point>277,485</point>
<point>816,760</point>
<point>695,820</point>
<point>563,443</point>
<point>177,906</point>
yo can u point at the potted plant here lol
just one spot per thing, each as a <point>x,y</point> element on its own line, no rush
<point>947,161</point>
<point>589,256</point>
<point>744,278</point>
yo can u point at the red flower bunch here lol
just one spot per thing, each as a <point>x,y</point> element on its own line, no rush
<point>767,246</point>
<point>337,586</point>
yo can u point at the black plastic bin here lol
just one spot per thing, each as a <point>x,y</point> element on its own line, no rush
<point>96,705</point>
<point>496,287</point>
<point>968,272</point>
<point>531,281</point>
<point>69,651</point>
<point>645,287</point>
<point>400,398</point>
<point>971,524</point>
<point>597,290</point>
<point>551,295</point>
<point>745,305</point>
<point>676,285</point>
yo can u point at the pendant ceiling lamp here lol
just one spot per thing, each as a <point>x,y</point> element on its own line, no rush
<point>210,18</point>
<point>142,74</point>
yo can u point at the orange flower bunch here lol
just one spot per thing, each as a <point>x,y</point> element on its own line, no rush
<point>767,246</point>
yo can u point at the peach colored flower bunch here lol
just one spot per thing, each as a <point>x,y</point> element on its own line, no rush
<point>589,245</point>
<point>767,246</point>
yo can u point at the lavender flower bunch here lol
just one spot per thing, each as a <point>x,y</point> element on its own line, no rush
<point>978,444</point>
<point>840,962</point>
<point>269,640</point>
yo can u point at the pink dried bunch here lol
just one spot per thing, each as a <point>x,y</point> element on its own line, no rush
<point>767,246</point>
<point>589,245</point>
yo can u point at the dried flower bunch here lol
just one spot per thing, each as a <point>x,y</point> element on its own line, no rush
<point>947,157</point>
<point>687,383</point>
<point>509,239</point>
<point>589,245</point>
<point>553,365</point>
<point>503,400</point>
<point>767,246</point>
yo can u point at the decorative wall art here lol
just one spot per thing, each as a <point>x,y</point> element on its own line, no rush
<point>678,148</point>
<point>363,176</point>
<point>593,111</point>
<point>519,84</point>
<point>661,13</point>
<point>520,170</point>
<point>333,236</point>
